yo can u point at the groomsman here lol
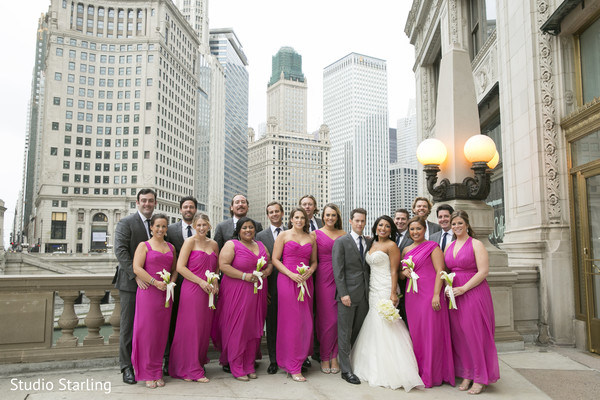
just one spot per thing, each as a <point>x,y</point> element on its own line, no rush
<point>129,233</point>
<point>267,237</point>
<point>238,209</point>
<point>401,217</point>
<point>176,235</point>
<point>422,206</point>
<point>444,236</point>
<point>309,203</point>
<point>352,288</point>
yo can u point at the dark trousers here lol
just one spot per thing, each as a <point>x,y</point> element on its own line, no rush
<point>350,320</point>
<point>272,315</point>
<point>173,323</point>
<point>127,300</point>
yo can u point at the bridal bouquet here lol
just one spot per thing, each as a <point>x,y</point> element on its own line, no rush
<point>387,311</point>
<point>259,264</point>
<point>211,278</point>
<point>408,263</point>
<point>302,268</point>
<point>166,277</point>
<point>449,278</point>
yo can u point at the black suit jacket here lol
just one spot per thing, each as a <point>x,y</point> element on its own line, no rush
<point>266,237</point>
<point>225,229</point>
<point>406,241</point>
<point>175,236</point>
<point>129,233</point>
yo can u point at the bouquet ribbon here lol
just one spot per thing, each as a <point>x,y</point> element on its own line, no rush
<point>170,293</point>
<point>258,286</point>
<point>302,268</point>
<point>408,263</point>
<point>449,278</point>
<point>210,278</point>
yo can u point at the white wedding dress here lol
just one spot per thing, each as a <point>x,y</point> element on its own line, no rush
<point>383,352</point>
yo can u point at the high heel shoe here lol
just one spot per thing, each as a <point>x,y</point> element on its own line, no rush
<point>252,375</point>
<point>297,377</point>
<point>243,378</point>
<point>464,385</point>
<point>477,388</point>
<point>325,370</point>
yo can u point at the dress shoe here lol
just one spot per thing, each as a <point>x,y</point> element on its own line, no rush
<point>272,369</point>
<point>128,376</point>
<point>226,369</point>
<point>306,363</point>
<point>350,378</point>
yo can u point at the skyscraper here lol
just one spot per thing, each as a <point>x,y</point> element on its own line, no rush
<point>113,111</point>
<point>225,45</point>
<point>287,162</point>
<point>403,172</point>
<point>355,109</point>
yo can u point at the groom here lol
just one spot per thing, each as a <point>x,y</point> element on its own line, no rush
<point>352,285</point>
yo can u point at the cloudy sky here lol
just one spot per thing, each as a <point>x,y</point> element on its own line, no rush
<point>321,31</point>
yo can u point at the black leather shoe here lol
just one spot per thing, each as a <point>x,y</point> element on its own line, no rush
<point>306,363</point>
<point>272,369</point>
<point>128,376</point>
<point>226,369</point>
<point>350,378</point>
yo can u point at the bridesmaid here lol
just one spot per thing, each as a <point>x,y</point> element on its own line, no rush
<point>326,312</point>
<point>426,310</point>
<point>294,317</point>
<point>241,313</point>
<point>194,320</point>
<point>472,324</point>
<point>151,322</point>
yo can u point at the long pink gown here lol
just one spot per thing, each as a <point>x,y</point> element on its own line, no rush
<point>429,329</point>
<point>472,325</point>
<point>151,321</point>
<point>240,314</point>
<point>294,317</point>
<point>326,312</point>
<point>194,322</point>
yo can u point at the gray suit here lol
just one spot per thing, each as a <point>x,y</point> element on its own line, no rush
<point>129,233</point>
<point>266,237</point>
<point>432,227</point>
<point>351,279</point>
<point>437,237</point>
<point>404,242</point>
<point>225,229</point>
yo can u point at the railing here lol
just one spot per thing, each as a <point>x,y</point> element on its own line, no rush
<point>27,315</point>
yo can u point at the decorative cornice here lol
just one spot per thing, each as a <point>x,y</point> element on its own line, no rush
<point>548,109</point>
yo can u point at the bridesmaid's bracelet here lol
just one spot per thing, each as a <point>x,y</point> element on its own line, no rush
<point>152,280</point>
<point>244,276</point>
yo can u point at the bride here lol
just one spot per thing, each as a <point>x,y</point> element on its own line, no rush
<point>383,352</point>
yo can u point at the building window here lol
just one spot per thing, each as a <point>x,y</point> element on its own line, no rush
<point>482,23</point>
<point>57,76</point>
<point>590,56</point>
<point>53,151</point>
<point>58,229</point>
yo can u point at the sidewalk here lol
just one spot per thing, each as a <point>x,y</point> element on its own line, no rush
<point>535,373</point>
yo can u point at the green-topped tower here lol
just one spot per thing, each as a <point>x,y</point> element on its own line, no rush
<point>287,91</point>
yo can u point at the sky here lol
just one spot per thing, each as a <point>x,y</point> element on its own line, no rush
<point>321,31</point>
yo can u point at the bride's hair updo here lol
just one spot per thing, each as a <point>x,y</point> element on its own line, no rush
<point>388,219</point>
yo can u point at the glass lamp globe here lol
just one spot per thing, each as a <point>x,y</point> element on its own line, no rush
<point>494,161</point>
<point>431,151</point>
<point>480,148</point>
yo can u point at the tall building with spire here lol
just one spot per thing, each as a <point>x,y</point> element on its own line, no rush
<point>227,48</point>
<point>287,162</point>
<point>113,110</point>
<point>355,109</point>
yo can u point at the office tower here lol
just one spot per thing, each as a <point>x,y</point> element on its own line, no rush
<point>285,163</point>
<point>225,45</point>
<point>196,14</point>
<point>113,111</point>
<point>393,145</point>
<point>287,91</point>
<point>403,172</point>
<point>355,109</point>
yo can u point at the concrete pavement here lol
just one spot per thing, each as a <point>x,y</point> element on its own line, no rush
<point>535,373</point>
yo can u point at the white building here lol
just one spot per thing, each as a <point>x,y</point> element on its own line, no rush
<point>355,109</point>
<point>535,69</point>
<point>115,111</point>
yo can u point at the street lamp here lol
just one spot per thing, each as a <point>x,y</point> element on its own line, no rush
<point>479,150</point>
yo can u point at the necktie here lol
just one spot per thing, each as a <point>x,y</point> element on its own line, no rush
<point>360,247</point>
<point>189,231</point>
<point>444,240</point>
<point>149,231</point>
<point>398,239</point>
<point>312,226</point>
<point>277,231</point>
